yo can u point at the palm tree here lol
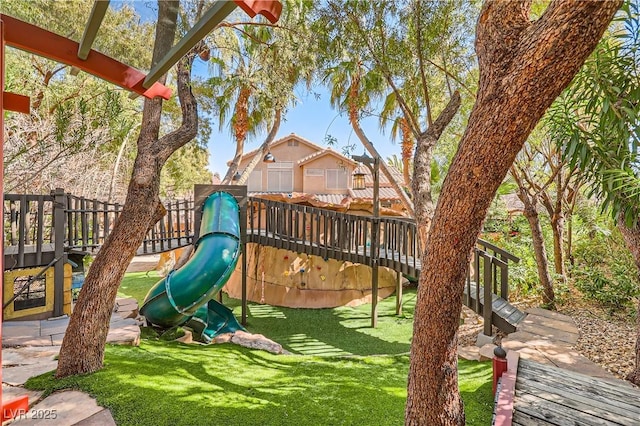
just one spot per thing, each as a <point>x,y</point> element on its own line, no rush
<point>597,124</point>
<point>257,69</point>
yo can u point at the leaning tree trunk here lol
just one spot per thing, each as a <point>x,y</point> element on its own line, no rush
<point>83,345</point>
<point>263,148</point>
<point>557,227</point>
<point>423,201</point>
<point>632,239</point>
<point>404,198</point>
<point>524,66</point>
<point>539,250</point>
<point>240,126</point>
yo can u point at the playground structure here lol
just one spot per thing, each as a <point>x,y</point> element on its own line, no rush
<point>81,57</point>
<point>75,226</point>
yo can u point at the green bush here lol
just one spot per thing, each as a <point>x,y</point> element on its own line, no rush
<point>615,290</point>
<point>604,270</point>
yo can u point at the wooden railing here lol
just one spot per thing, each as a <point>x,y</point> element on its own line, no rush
<point>89,222</point>
<point>40,228</point>
<point>488,275</point>
<point>331,234</point>
<point>38,225</point>
<point>29,228</point>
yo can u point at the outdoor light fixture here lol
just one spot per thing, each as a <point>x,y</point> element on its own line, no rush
<point>358,180</point>
<point>269,158</point>
<point>236,177</point>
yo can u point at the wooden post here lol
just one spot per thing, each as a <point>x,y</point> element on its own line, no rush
<point>375,242</point>
<point>60,205</point>
<point>243,201</point>
<point>399,294</point>
<point>8,409</point>
<point>1,191</point>
<point>487,304</point>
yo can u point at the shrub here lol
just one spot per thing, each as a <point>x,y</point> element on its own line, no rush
<point>604,270</point>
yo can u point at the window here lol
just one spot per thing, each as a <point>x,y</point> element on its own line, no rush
<point>292,143</point>
<point>337,179</point>
<point>254,183</point>
<point>314,172</point>
<point>34,295</point>
<point>280,177</point>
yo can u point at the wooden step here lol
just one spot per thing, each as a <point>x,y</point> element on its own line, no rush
<point>505,316</point>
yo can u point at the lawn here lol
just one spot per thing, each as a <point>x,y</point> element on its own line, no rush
<point>169,383</point>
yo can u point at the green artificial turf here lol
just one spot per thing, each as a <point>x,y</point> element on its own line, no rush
<point>137,284</point>
<point>167,383</point>
<point>337,331</point>
<point>334,380</point>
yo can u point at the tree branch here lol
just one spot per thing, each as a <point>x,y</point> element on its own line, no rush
<point>423,77</point>
<point>264,147</point>
<point>188,130</point>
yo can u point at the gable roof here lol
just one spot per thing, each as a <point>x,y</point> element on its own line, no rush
<point>284,139</point>
<point>327,151</point>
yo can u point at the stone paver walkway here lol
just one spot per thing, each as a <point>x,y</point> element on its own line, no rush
<point>124,328</point>
<point>30,348</point>
<point>548,337</point>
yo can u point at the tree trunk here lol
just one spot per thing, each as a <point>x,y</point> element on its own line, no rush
<point>240,124</point>
<point>407,150</point>
<point>263,148</point>
<point>404,198</point>
<point>423,201</point>
<point>83,345</point>
<point>531,213</point>
<point>632,239</point>
<point>116,166</point>
<point>557,226</point>
<point>523,66</point>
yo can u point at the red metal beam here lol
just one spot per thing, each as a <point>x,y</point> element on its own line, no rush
<point>270,9</point>
<point>15,102</point>
<point>20,405</point>
<point>33,39</point>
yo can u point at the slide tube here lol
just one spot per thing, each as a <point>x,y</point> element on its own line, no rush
<point>184,296</point>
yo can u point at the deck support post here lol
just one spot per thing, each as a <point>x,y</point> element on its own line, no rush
<point>373,164</point>
<point>375,242</point>
<point>399,294</point>
<point>243,242</point>
<point>60,206</point>
<point>374,293</point>
<point>487,301</point>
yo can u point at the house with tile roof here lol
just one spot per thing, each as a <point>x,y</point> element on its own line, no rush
<point>305,170</point>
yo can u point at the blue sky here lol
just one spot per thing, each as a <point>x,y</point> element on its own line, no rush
<point>311,118</point>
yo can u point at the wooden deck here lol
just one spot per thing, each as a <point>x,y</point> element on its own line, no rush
<point>407,265</point>
<point>547,395</point>
<point>61,223</point>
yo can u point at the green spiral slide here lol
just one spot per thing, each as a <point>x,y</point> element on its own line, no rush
<point>185,296</point>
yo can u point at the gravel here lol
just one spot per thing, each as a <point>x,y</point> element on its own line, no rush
<point>605,339</point>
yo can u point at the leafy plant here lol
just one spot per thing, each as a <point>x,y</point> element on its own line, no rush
<point>604,270</point>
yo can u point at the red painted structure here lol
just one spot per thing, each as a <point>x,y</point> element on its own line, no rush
<point>33,39</point>
<point>499,364</point>
<point>270,9</point>
<point>504,401</point>
<point>53,46</point>
<point>18,405</point>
